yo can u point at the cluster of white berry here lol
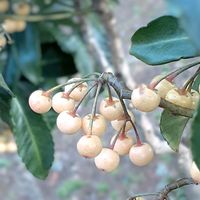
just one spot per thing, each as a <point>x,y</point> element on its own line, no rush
<point>94,126</point>
<point>20,8</point>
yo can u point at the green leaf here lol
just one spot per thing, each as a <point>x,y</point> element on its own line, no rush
<point>195,139</point>
<point>33,138</point>
<point>172,127</point>
<point>4,86</point>
<point>162,41</point>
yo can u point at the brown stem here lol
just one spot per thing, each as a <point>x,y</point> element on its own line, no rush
<point>164,193</point>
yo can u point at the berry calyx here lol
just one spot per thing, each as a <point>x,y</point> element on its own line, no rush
<point>141,155</point>
<point>111,109</point>
<point>179,98</point>
<point>78,93</point>
<point>195,173</point>
<point>107,160</point>
<point>145,99</point>
<point>61,102</point>
<point>22,8</point>
<point>40,102</point>
<point>89,146</point>
<point>163,86</point>
<point>98,125</point>
<point>68,123</point>
<point>118,123</point>
<point>123,144</point>
<point>4,6</point>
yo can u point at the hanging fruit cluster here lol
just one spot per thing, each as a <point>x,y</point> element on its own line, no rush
<point>113,109</point>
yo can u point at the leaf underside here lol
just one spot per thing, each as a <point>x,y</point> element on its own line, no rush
<point>172,127</point>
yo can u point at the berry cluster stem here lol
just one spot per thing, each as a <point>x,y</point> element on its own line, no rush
<point>94,107</point>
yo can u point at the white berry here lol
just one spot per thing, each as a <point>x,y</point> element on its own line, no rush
<point>107,160</point>
<point>89,146</point>
<point>195,173</point>
<point>68,123</point>
<point>62,103</point>
<point>145,99</point>
<point>40,102</point>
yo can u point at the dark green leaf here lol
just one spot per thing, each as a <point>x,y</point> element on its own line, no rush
<point>172,127</point>
<point>4,86</point>
<point>195,139</point>
<point>33,138</point>
<point>161,41</point>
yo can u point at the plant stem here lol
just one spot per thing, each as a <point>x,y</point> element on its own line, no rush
<point>89,90</point>
<point>68,83</point>
<point>174,74</point>
<point>94,107</point>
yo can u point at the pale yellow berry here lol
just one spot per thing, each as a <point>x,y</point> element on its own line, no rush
<point>89,146</point>
<point>141,155</point>
<point>40,102</point>
<point>68,123</point>
<point>20,25</point>
<point>78,93</point>
<point>111,109</point>
<point>22,8</point>
<point>195,173</point>
<point>145,99</point>
<point>3,41</point>
<point>183,100</point>
<point>98,125</point>
<point>4,6</point>
<point>122,144</point>
<point>195,99</point>
<point>163,86</point>
<point>118,123</point>
<point>62,103</point>
<point>107,160</point>
<point>9,25</point>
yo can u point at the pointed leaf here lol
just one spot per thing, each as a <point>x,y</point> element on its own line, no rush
<point>33,138</point>
<point>172,127</point>
<point>195,139</point>
<point>161,41</point>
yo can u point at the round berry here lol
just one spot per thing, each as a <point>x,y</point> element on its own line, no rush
<point>107,160</point>
<point>195,99</point>
<point>3,41</point>
<point>68,123</point>
<point>4,6</point>
<point>40,102</point>
<point>145,99</point>
<point>118,123</point>
<point>98,125</point>
<point>122,144</point>
<point>20,25</point>
<point>22,8</point>
<point>9,25</point>
<point>184,100</point>
<point>111,109</point>
<point>62,103</point>
<point>89,146</point>
<point>195,173</point>
<point>78,93</point>
<point>141,155</point>
<point>163,86</point>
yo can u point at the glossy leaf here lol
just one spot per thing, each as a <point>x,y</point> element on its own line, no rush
<point>163,40</point>
<point>33,138</point>
<point>172,127</point>
<point>195,139</point>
